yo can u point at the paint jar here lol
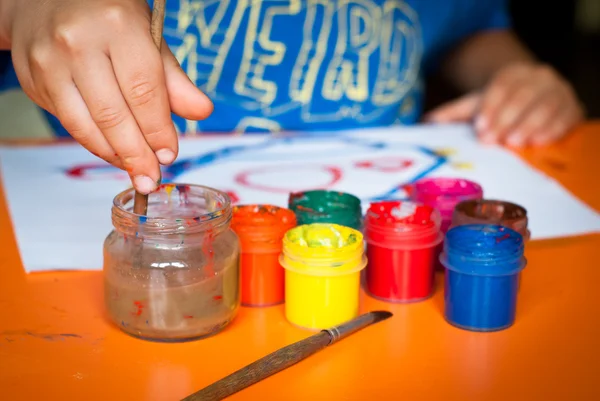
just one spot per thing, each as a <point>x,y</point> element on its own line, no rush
<point>172,275</point>
<point>483,263</point>
<point>401,248</point>
<point>444,194</point>
<point>487,211</point>
<point>322,206</point>
<point>261,229</point>
<point>322,274</point>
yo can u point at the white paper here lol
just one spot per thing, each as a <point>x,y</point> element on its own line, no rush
<point>61,221</point>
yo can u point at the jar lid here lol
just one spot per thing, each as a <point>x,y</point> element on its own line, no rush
<point>323,249</point>
<point>483,250</point>
<point>443,193</point>
<point>321,206</point>
<point>402,225</point>
<point>492,211</point>
<point>258,225</point>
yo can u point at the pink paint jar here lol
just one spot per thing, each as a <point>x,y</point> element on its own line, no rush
<point>444,194</point>
<point>402,238</point>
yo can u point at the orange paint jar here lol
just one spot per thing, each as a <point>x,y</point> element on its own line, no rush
<point>261,229</point>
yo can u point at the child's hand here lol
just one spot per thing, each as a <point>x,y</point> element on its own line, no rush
<point>523,104</point>
<point>93,64</point>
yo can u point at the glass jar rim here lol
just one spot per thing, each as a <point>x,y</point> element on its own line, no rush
<point>131,222</point>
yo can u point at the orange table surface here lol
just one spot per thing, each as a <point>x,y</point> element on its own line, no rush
<point>56,343</point>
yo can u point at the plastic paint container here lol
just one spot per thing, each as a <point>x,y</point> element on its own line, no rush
<point>487,211</point>
<point>444,194</point>
<point>401,248</point>
<point>483,264</point>
<point>322,206</point>
<point>322,274</point>
<point>261,229</point>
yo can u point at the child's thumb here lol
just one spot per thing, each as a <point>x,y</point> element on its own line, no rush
<point>460,110</point>
<point>185,98</point>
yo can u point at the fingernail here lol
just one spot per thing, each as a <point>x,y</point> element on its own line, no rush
<point>515,140</point>
<point>144,184</point>
<point>165,156</point>
<point>488,137</point>
<point>480,123</point>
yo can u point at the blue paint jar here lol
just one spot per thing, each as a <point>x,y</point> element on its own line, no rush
<point>482,263</point>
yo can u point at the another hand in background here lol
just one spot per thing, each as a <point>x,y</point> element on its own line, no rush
<point>93,64</point>
<point>524,104</point>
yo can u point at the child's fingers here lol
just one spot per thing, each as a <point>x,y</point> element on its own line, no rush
<point>558,126</point>
<point>536,120</point>
<point>460,110</point>
<point>186,99</point>
<point>33,70</point>
<point>495,96</point>
<point>74,115</point>
<point>99,89</point>
<point>516,107</point>
<point>139,71</point>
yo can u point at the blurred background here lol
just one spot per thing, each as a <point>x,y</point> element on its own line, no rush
<point>566,34</point>
<point>563,33</point>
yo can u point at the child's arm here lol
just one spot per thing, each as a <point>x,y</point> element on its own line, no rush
<point>514,99</point>
<point>93,64</point>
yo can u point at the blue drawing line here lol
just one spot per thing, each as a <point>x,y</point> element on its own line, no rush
<point>440,161</point>
<point>172,172</point>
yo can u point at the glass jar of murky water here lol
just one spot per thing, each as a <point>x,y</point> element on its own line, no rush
<point>174,274</point>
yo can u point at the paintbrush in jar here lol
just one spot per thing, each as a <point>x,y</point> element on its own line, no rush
<point>284,358</point>
<point>140,201</point>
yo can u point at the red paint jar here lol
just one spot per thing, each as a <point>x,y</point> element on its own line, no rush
<point>261,229</point>
<point>401,250</point>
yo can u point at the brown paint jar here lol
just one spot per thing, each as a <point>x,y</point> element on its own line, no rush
<point>488,211</point>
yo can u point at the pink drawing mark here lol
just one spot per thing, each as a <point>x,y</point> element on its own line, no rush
<point>233,197</point>
<point>90,171</point>
<point>386,164</point>
<point>245,177</point>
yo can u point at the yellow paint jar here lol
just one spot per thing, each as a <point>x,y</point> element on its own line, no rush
<point>322,274</point>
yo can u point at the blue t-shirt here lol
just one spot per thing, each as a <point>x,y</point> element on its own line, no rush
<point>271,65</point>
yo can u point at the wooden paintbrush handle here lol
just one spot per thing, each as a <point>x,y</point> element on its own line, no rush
<point>140,201</point>
<point>263,368</point>
<point>158,20</point>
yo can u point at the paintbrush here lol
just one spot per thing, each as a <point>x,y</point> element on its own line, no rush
<point>284,358</point>
<point>140,201</point>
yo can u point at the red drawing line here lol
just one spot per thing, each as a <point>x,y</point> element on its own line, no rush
<point>243,178</point>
